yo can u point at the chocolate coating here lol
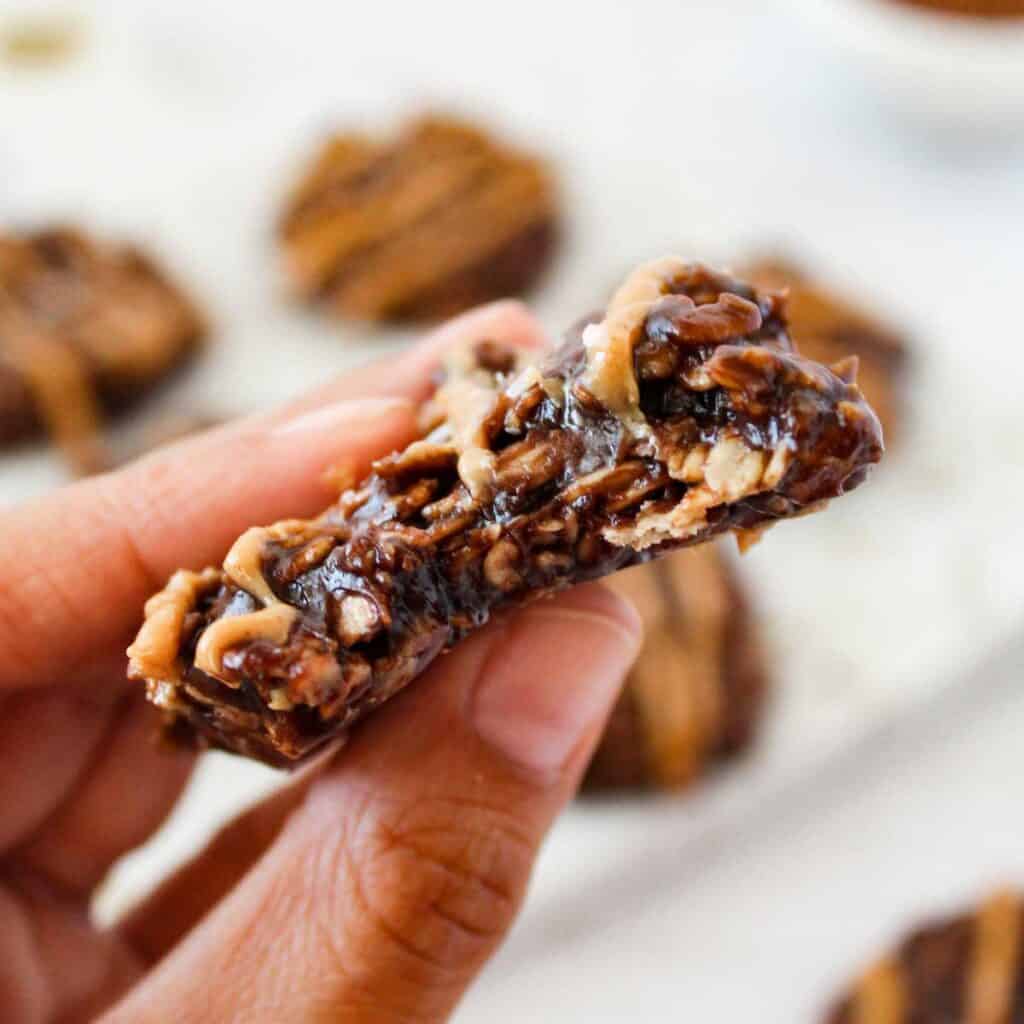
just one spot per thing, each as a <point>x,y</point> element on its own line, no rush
<point>522,485</point>
<point>826,327</point>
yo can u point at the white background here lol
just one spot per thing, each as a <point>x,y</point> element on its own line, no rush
<point>709,128</point>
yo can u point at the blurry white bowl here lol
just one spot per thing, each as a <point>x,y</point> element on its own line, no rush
<point>944,68</point>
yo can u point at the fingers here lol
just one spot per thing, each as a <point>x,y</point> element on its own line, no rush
<point>183,899</point>
<point>55,965</point>
<point>78,565</point>
<point>408,375</point>
<point>47,738</point>
<point>113,806</point>
<point>403,868</point>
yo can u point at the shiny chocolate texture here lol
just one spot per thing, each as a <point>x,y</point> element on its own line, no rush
<point>680,415</point>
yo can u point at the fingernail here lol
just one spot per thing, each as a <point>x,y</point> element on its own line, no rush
<point>553,681</point>
<point>345,416</point>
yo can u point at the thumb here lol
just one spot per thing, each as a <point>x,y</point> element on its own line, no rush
<point>404,866</point>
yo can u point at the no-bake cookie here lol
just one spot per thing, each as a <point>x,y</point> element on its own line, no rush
<point>967,969</point>
<point>696,692</point>
<point>826,327</point>
<point>680,414</point>
<point>85,329</point>
<point>440,219</point>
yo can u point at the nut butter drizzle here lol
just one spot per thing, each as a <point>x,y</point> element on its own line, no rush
<point>469,403</point>
<point>272,623</point>
<point>609,374</point>
<point>469,399</point>
<point>155,653</point>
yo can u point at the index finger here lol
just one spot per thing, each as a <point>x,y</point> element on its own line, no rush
<point>78,565</point>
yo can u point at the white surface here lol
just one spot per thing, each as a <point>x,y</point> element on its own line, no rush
<point>707,127</point>
<point>767,922</point>
<point>967,73</point>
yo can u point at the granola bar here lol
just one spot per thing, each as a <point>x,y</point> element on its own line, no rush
<point>85,329</point>
<point>696,692</point>
<point>680,414</point>
<point>441,219</point>
<point>966,968</point>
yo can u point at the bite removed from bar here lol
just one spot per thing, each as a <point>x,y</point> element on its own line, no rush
<point>681,414</point>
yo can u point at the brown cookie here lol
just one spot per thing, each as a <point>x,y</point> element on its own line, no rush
<point>827,329</point>
<point>697,690</point>
<point>86,329</point>
<point>440,219</point>
<point>680,415</point>
<point>967,969</point>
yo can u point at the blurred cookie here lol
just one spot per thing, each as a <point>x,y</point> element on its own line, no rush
<point>86,328</point>
<point>440,219</point>
<point>968,968</point>
<point>827,328</point>
<point>697,690</point>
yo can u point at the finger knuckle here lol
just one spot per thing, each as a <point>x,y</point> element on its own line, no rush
<point>440,883</point>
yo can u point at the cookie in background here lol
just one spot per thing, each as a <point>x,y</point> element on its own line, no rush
<point>697,692</point>
<point>419,227</point>
<point>964,968</point>
<point>87,329</point>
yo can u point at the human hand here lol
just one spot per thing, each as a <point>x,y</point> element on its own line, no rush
<point>376,884</point>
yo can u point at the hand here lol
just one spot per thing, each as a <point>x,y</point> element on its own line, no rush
<point>377,883</point>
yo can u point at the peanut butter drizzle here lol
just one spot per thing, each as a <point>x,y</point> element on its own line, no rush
<point>994,960</point>
<point>881,996</point>
<point>469,399</point>
<point>58,380</point>
<point>272,624</point>
<point>243,565</point>
<point>676,682</point>
<point>154,654</point>
<point>468,403</point>
<point>609,374</point>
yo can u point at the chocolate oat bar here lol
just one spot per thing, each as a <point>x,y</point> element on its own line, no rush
<point>680,414</point>
<point>968,968</point>
<point>85,329</point>
<point>826,328</point>
<point>696,692</point>
<point>440,219</point>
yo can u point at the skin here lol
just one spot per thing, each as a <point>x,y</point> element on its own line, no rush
<point>380,880</point>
